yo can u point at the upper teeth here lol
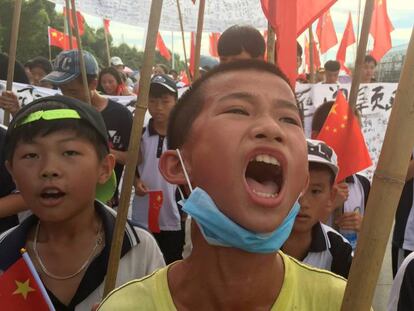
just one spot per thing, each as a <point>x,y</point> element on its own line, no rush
<point>266,159</point>
<point>52,191</point>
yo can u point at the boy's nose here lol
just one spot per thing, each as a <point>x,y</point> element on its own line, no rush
<point>47,174</point>
<point>268,129</point>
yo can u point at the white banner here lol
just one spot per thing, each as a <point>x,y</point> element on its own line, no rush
<point>374,104</point>
<point>218,15</point>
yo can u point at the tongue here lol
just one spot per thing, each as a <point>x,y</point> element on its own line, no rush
<point>265,187</point>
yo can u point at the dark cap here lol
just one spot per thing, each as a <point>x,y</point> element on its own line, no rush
<point>165,81</point>
<point>67,67</point>
<point>74,109</point>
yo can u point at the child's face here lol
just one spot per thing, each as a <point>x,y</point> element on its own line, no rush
<point>367,72</point>
<point>316,202</point>
<point>160,107</point>
<point>57,174</point>
<point>109,84</point>
<point>249,118</point>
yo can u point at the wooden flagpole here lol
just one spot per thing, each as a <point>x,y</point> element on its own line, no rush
<point>362,48</point>
<point>199,36</point>
<point>180,17</point>
<point>388,182</point>
<point>270,44</point>
<point>81,58</point>
<point>69,28</point>
<point>134,145</point>
<point>311,57</point>
<point>108,54</point>
<point>12,53</point>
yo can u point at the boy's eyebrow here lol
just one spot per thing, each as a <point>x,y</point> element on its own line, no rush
<point>251,98</point>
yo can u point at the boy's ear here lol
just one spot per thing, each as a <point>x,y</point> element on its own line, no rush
<point>171,169</point>
<point>9,169</point>
<point>107,166</point>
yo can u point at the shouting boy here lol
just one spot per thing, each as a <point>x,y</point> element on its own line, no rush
<point>239,134</point>
<point>311,241</point>
<point>57,152</point>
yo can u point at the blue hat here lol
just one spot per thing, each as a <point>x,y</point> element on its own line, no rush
<point>67,67</point>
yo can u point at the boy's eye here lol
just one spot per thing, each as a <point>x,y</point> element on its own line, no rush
<point>30,155</point>
<point>70,153</point>
<point>238,111</point>
<point>316,191</point>
<point>290,120</point>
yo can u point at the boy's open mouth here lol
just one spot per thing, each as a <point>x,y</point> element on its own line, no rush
<point>52,194</point>
<point>264,176</point>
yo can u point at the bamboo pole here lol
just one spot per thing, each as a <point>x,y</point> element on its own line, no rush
<point>359,22</point>
<point>311,56</point>
<point>199,36</point>
<point>108,54</point>
<point>81,58</point>
<point>362,47</point>
<point>134,145</point>
<point>172,51</point>
<point>270,44</point>
<point>388,182</point>
<point>12,53</point>
<point>180,17</point>
<point>69,28</point>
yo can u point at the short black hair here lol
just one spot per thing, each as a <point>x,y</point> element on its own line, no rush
<point>191,102</point>
<point>370,59</point>
<point>239,38</point>
<point>40,62</point>
<point>27,132</point>
<point>320,115</point>
<point>19,73</point>
<point>173,71</point>
<point>299,50</point>
<point>315,166</point>
<point>332,65</point>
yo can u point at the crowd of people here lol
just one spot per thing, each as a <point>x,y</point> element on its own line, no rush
<point>232,208</point>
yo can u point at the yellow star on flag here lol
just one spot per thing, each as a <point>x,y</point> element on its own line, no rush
<point>23,288</point>
<point>333,109</point>
<point>159,198</point>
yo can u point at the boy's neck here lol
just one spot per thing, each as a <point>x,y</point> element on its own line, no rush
<point>98,101</point>
<point>71,229</point>
<point>160,127</point>
<point>227,277</point>
<point>298,244</point>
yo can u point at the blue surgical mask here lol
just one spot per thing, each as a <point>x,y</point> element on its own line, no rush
<point>220,230</point>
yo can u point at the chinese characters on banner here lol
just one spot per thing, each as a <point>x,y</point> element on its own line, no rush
<point>374,104</point>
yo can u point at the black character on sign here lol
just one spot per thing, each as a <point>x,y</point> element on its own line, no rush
<point>376,99</point>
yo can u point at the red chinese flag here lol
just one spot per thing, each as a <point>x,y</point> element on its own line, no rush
<point>214,37</point>
<point>348,38</point>
<point>60,40</point>
<point>192,54</point>
<point>184,78</point>
<point>155,204</point>
<point>316,57</point>
<point>19,290</point>
<point>289,19</point>
<point>80,18</point>
<point>341,131</point>
<point>56,38</point>
<point>162,48</point>
<point>106,23</point>
<point>325,31</point>
<point>381,28</point>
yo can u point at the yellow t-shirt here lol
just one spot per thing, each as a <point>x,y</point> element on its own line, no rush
<point>304,288</point>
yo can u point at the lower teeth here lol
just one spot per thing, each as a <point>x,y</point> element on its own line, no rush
<point>265,195</point>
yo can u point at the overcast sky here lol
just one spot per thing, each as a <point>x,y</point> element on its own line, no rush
<point>401,13</point>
